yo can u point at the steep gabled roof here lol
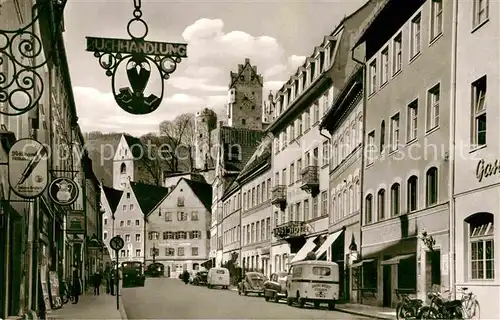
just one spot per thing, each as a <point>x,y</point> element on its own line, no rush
<point>234,76</point>
<point>135,145</point>
<point>202,190</point>
<point>245,141</point>
<point>148,195</point>
<point>113,197</point>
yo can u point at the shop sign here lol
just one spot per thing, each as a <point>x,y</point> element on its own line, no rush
<point>484,170</point>
<point>291,229</point>
<point>28,168</point>
<point>75,223</point>
<point>63,191</point>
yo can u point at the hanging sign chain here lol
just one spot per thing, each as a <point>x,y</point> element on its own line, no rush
<point>140,59</point>
<point>137,9</point>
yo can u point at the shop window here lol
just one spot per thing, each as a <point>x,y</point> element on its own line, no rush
<point>407,273</point>
<point>432,187</point>
<point>412,193</point>
<point>370,275</point>
<point>481,246</point>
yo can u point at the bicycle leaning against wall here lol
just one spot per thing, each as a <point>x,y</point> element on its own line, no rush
<point>467,307</point>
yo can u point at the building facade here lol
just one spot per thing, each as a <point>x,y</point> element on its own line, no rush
<point>475,135</point>
<point>300,158</point>
<point>256,209</point>
<point>406,172</point>
<point>125,167</point>
<point>178,228</point>
<point>37,238</point>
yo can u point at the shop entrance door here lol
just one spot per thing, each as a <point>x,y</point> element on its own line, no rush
<point>387,284</point>
<point>432,269</point>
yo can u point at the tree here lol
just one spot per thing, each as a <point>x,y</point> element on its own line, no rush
<point>153,161</point>
<point>179,135</point>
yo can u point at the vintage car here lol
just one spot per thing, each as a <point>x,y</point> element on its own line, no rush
<point>200,278</point>
<point>313,281</point>
<point>253,282</point>
<point>132,274</point>
<point>275,287</point>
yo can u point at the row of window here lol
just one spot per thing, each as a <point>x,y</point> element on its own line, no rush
<point>232,235</point>
<point>302,211</point>
<point>175,235</point>
<point>127,237</point>
<point>345,142</point>
<point>257,231</point>
<point>313,68</point>
<point>309,160</point>
<point>180,216</point>
<point>391,55</point>
<point>125,253</point>
<point>432,122</point>
<point>346,202</point>
<point>170,252</point>
<point>122,222</point>
<point>302,124</point>
<point>257,195</point>
<point>412,201</point>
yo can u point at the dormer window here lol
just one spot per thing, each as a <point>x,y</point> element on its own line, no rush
<point>304,80</point>
<point>313,71</point>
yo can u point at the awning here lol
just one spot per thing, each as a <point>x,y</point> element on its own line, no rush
<point>396,259</point>
<point>360,263</point>
<point>306,248</point>
<point>328,243</point>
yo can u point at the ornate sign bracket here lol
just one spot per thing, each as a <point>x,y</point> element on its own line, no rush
<point>140,57</point>
<point>21,55</point>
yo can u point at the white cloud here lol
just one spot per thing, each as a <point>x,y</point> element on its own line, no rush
<point>296,61</point>
<point>188,83</point>
<point>272,86</point>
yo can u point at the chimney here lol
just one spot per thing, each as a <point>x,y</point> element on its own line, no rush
<point>247,60</point>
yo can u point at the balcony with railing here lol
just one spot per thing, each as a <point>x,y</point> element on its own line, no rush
<point>278,196</point>
<point>310,180</point>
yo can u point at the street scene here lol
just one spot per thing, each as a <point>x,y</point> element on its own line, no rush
<point>203,159</point>
<point>193,302</point>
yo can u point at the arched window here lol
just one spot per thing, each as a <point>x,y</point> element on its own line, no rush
<point>382,136</point>
<point>395,199</point>
<point>412,193</point>
<point>368,208</point>
<point>332,214</point>
<point>351,200</point>
<point>235,153</point>
<point>431,195</point>
<point>123,168</point>
<point>481,246</point>
<point>358,195</point>
<point>381,204</point>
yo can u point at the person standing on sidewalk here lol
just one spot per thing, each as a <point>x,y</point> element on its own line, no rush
<point>76,284</point>
<point>107,279</point>
<point>112,277</point>
<point>97,282</point>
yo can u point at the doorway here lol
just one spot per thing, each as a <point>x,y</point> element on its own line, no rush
<point>387,284</point>
<point>432,269</point>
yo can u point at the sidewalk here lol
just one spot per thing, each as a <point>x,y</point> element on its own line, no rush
<point>89,306</point>
<point>368,311</point>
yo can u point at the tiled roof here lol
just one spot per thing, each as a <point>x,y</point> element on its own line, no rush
<point>261,155</point>
<point>135,145</point>
<point>113,197</point>
<point>148,195</point>
<point>202,190</point>
<point>243,139</point>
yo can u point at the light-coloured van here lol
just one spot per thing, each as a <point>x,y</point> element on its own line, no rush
<point>218,277</point>
<point>313,281</point>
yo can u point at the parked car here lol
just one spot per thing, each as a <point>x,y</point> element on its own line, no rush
<point>218,277</point>
<point>253,282</point>
<point>200,278</point>
<point>275,287</point>
<point>313,281</point>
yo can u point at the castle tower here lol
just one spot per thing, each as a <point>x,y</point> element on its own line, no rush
<point>244,109</point>
<point>204,122</point>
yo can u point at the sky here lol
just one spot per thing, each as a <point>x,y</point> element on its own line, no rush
<point>276,35</point>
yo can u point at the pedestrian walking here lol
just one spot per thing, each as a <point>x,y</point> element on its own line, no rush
<point>97,282</point>
<point>107,278</point>
<point>76,284</point>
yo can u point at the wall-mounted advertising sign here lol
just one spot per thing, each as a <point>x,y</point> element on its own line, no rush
<point>485,170</point>
<point>75,222</point>
<point>28,168</point>
<point>63,191</point>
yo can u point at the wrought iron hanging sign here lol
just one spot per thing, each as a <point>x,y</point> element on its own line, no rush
<point>22,54</point>
<point>141,59</point>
